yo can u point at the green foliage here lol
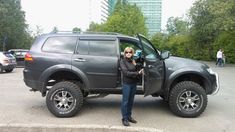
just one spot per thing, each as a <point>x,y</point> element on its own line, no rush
<point>226,41</point>
<point>177,26</point>
<point>210,26</point>
<point>209,20</point>
<point>159,41</point>
<point>126,19</point>
<point>96,27</point>
<point>178,45</point>
<point>76,29</point>
<point>12,25</point>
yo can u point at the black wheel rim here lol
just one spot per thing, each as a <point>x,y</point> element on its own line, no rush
<point>63,100</point>
<point>189,100</point>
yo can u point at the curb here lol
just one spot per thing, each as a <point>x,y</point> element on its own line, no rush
<point>72,128</point>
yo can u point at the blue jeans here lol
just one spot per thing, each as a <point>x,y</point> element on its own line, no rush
<point>128,94</point>
<point>219,62</point>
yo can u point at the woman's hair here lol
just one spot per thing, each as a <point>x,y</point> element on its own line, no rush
<point>129,48</point>
<point>132,51</point>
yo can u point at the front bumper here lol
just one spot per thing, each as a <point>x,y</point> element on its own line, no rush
<point>7,67</point>
<point>217,84</point>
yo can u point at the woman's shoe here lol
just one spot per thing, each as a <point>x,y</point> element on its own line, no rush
<point>130,119</point>
<point>125,122</point>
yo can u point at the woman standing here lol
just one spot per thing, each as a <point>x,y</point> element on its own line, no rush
<point>130,74</point>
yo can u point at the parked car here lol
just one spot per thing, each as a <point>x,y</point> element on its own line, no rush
<point>19,55</point>
<point>67,67</point>
<point>7,62</point>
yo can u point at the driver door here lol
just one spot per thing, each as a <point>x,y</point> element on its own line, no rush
<point>153,69</point>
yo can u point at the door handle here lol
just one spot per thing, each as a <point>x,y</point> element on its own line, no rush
<point>79,60</point>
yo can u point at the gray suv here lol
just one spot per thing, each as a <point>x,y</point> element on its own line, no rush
<point>68,67</point>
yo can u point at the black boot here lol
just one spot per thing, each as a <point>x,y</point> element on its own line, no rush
<point>125,122</point>
<point>130,119</point>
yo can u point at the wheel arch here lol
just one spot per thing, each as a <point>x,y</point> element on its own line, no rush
<point>194,76</point>
<point>58,73</point>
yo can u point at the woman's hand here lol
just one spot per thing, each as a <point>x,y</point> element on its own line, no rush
<point>141,71</point>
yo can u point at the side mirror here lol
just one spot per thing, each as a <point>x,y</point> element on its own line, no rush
<point>165,55</point>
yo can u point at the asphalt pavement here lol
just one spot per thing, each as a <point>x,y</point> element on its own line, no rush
<point>25,111</point>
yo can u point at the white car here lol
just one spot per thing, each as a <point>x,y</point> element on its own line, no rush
<point>7,62</point>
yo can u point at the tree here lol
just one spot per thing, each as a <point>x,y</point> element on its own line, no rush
<point>126,19</point>
<point>209,20</point>
<point>96,27</point>
<point>39,31</point>
<point>55,29</point>
<point>177,26</point>
<point>76,29</point>
<point>13,26</point>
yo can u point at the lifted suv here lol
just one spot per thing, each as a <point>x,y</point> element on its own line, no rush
<point>67,67</point>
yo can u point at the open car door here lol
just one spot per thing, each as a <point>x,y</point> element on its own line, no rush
<point>153,69</point>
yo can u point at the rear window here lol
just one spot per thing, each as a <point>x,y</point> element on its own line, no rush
<point>98,48</point>
<point>8,55</point>
<point>65,44</point>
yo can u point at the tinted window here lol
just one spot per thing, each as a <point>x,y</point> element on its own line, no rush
<point>149,50</point>
<point>99,48</point>
<point>83,47</point>
<point>103,48</point>
<point>60,44</point>
<point>9,55</point>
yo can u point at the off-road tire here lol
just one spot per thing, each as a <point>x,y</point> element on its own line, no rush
<point>182,92</point>
<point>64,94</point>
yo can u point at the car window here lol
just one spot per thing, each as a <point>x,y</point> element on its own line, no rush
<point>150,53</point>
<point>83,47</point>
<point>103,48</point>
<point>65,44</point>
<point>99,48</point>
<point>128,43</point>
<point>9,55</point>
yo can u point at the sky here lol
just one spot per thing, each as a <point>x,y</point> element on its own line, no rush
<point>67,14</point>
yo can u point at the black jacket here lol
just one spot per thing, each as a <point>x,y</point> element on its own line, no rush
<point>130,74</point>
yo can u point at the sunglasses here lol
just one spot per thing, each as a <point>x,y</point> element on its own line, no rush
<point>128,52</point>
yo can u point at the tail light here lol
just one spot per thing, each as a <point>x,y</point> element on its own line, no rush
<point>28,57</point>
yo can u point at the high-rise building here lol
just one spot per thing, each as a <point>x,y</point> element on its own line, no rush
<point>151,9</point>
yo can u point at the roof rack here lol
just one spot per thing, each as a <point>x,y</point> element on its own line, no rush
<point>86,32</point>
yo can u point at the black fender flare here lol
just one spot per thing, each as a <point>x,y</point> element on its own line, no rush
<point>61,67</point>
<point>184,71</point>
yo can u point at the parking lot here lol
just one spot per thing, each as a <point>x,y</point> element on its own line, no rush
<point>20,106</point>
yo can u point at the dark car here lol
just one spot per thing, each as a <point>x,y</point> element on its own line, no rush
<point>67,67</point>
<point>19,55</point>
<point>7,62</point>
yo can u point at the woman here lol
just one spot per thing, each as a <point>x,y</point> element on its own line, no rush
<point>130,74</point>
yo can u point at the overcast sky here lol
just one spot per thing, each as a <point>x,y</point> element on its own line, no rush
<point>67,14</point>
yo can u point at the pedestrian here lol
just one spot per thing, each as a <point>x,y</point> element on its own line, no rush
<point>129,82</point>
<point>219,56</point>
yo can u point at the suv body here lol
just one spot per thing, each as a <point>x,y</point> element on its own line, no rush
<point>7,62</point>
<point>66,67</point>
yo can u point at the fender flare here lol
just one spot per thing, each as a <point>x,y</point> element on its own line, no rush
<point>184,71</point>
<point>61,67</point>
